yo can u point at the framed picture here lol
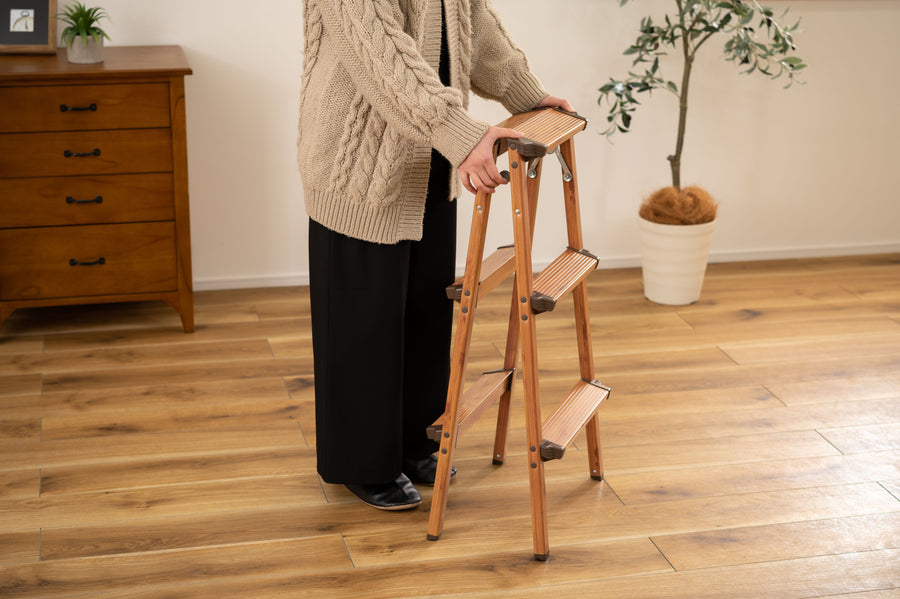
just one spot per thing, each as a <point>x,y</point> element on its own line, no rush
<point>27,26</point>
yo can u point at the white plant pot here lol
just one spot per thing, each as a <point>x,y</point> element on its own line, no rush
<point>89,53</point>
<point>673,261</point>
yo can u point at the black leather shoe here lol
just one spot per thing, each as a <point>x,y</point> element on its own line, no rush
<point>423,471</point>
<point>393,496</point>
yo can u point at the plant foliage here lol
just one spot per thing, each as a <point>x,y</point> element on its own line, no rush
<point>755,42</point>
<point>81,22</point>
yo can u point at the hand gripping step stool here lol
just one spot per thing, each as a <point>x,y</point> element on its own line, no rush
<point>546,131</point>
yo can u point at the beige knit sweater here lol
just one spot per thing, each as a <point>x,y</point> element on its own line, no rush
<point>372,105</point>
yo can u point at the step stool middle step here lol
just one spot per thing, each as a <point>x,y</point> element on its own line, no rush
<point>570,417</point>
<point>558,279</point>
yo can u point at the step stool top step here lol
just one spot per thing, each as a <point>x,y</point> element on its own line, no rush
<point>544,129</point>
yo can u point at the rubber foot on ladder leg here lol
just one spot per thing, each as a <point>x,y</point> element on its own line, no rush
<point>432,537</point>
<point>541,557</point>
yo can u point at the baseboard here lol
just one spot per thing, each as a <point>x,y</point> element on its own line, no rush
<point>606,263</point>
<point>254,282</point>
<point>793,253</point>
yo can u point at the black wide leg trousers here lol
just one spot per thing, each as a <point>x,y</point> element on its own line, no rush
<point>381,324</point>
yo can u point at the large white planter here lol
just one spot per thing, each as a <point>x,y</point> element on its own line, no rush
<point>89,53</point>
<point>673,260</point>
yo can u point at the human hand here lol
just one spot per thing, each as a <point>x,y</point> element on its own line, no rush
<point>554,102</point>
<point>479,169</point>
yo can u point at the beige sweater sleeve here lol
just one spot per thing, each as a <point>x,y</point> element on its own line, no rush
<point>499,68</point>
<point>389,71</point>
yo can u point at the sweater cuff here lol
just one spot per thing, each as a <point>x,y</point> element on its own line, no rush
<point>457,135</point>
<point>524,93</point>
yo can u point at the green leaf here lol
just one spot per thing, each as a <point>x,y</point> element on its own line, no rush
<point>81,22</point>
<point>754,41</point>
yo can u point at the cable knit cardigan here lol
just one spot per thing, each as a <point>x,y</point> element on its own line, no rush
<point>372,105</point>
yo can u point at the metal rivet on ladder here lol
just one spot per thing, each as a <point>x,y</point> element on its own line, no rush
<point>518,212</point>
<point>465,310</point>
<point>524,317</point>
<point>523,300</point>
<point>479,208</point>
<point>443,451</point>
<point>446,435</point>
<point>533,465</point>
<point>515,164</point>
<point>532,448</point>
<point>467,293</point>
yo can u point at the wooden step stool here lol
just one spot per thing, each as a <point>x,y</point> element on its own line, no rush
<point>547,130</point>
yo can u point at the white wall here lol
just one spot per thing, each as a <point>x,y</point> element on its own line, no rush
<point>799,172</point>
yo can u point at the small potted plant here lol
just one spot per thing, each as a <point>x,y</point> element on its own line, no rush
<point>756,42</point>
<point>81,35</point>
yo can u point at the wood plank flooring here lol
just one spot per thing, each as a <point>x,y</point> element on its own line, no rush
<point>751,446</point>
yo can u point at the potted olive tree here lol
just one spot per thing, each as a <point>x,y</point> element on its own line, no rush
<point>756,42</point>
<point>81,35</point>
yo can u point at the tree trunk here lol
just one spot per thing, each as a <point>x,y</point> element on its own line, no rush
<point>675,159</point>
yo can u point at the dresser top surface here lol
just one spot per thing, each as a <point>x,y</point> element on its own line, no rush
<point>118,62</point>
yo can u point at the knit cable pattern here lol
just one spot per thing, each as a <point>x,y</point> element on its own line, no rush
<point>312,40</point>
<point>464,35</point>
<point>350,143</point>
<point>401,74</point>
<point>364,171</point>
<point>390,154</point>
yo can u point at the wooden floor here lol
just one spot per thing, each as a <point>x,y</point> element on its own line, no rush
<point>751,445</point>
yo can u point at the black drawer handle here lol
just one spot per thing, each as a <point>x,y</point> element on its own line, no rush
<point>74,262</point>
<point>71,154</point>
<point>97,200</point>
<point>65,108</point>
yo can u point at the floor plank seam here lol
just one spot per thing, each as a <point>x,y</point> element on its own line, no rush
<point>663,554</point>
<point>894,494</point>
<point>775,396</point>
<point>349,553</point>
<point>827,440</point>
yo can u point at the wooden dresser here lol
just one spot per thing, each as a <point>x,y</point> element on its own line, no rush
<point>93,180</point>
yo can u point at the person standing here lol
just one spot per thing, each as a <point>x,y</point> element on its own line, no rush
<point>383,124</point>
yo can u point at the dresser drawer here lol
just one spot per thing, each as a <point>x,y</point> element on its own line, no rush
<point>85,153</point>
<point>80,107</point>
<point>96,260</point>
<point>52,201</point>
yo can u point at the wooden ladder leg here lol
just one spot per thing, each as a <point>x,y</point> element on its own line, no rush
<point>509,363</point>
<point>458,360</point>
<point>524,281</point>
<point>580,298</point>
<point>512,335</point>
